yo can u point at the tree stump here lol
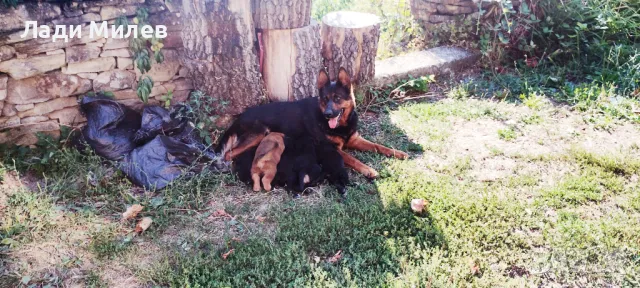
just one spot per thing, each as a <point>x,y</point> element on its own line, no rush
<point>281,14</point>
<point>350,40</point>
<point>218,38</point>
<point>291,62</point>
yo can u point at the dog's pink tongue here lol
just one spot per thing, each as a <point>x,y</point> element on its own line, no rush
<point>333,122</point>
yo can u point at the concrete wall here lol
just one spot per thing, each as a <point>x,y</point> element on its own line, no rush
<point>41,80</point>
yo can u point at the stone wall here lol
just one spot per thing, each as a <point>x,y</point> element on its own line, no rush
<point>439,11</point>
<point>41,80</point>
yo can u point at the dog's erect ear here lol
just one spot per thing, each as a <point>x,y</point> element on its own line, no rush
<point>343,78</point>
<point>323,79</point>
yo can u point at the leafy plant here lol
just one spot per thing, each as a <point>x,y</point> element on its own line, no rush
<point>322,7</point>
<point>10,3</point>
<point>205,111</point>
<point>145,85</point>
<point>145,50</point>
<point>507,134</point>
<point>400,91</point>
<point>167,99</point>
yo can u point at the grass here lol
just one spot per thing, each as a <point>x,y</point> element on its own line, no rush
<point>568,218</point>
<point>507,134</point>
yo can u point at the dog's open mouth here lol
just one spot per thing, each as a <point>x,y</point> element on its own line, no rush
<point>333,122</point>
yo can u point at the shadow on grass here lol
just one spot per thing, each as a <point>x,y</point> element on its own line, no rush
<point>373,238</point>
<point>362,240</point>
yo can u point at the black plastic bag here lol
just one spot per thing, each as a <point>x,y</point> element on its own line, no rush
<point>110,127</point>
<point>154,118</point>
<point>162,160</point>
<point>159,121</point>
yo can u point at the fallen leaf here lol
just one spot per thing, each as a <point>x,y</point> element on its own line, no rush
<point>335,258</point>
<point>261,219</point>
<point>517,271</point>
<point>417,205</point>
<point>143,225</point>
<point>220,213</point>
<point>475,270</point>
<point>132,212</point>
<point>225,255</point>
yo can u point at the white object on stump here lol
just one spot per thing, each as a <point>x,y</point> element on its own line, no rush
<point>350,40</point>
<point>291,62</point>
<point>219,54</point>
<point>281,14</point>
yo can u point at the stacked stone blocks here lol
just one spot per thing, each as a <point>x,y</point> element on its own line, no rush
<point>41,80</point>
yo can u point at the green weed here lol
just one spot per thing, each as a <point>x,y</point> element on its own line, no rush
<point>107,242</point>
<point>26,215</point>
<point>507,134</point>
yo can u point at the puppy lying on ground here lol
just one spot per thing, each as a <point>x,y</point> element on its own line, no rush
<point>333,165</point>
<point>265,162</point>
<point>302,164</point>
<point>298,167</point>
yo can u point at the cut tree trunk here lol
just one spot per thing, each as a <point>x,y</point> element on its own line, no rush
<point>219,52</point>
<point>292,62</point>
<point>281,14</point>
<point>350,40</point>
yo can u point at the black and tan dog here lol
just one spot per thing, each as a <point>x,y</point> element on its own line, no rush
<point>332,115</point>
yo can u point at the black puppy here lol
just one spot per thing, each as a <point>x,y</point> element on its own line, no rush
<point>303,164</point>
<point>298,167</point>
<point>242,165</point>
<point>333,165</point>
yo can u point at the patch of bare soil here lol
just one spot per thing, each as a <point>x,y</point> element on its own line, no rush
<point>535,147</point>
<point>130,269</point>
<point>58,255</point>
<point>234,217</point>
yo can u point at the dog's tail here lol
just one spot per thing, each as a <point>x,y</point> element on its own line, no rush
<point>225,143</point>
<point>238,132</point>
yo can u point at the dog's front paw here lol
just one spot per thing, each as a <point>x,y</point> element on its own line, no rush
<point>400,155</point>
<point>371,173</point>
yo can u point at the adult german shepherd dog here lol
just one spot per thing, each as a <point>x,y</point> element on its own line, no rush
<point>330,116</point>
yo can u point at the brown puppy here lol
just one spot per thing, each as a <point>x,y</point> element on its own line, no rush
<point>266,161</point>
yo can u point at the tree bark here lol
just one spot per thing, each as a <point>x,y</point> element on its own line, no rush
<point>292,62</point>
<point>350,40</point>
<point>218,38</point>
<point>281,14</point>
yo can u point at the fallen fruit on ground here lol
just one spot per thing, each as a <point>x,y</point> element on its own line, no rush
<point>143,225</point>
<point>417,205</point>
<point>132,212</point>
